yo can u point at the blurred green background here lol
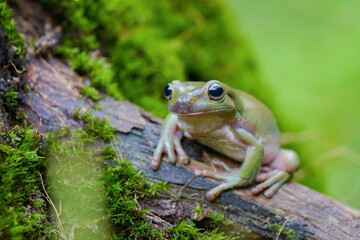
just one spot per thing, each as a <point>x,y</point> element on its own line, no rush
<point>308,54</point>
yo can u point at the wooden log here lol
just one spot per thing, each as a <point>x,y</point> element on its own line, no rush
<point>54,94</point>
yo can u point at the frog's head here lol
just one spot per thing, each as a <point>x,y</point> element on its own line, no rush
<point>195,98</point>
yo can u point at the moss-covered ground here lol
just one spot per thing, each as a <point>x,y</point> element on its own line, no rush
<point>22,208</point>
<point>23,211</point>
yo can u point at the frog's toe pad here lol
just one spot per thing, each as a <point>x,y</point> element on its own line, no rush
<point>155,165</point>
<point>184,159</point>
<point>211,196</point>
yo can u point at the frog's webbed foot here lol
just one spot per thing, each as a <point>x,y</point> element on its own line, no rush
<point>271,181</point>
<point>231,180</point>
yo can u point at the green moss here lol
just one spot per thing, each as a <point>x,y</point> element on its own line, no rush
<point>90,192</point>
<point>219,218</point>
<point>12,51</point>
<point>94,127</point>
<point>91,92</point>
<point>216,218</point>
<point>15,41</point>
<point>22,210</point>
<point>275,228</point>
<point>198,210</point>
<point>10,98</point>
<point>121,184</point>
<point>150,43</point>
<point>97,68</point>
<point>74,169</point>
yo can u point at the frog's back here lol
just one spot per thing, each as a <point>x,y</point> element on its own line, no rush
<point>259,119</point>
<point>257,114</point>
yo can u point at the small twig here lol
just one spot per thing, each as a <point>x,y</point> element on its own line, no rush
<point>282,227</point>
<point>22,70</point>
<point>47,197</point>
<point>157,217</point>
<point>187,183</point>
<point>119,158</point>
<point>137,203</point>
<point>60,209</point>
<point>148,213</point>
<point>37,129</point>
<point>150,142</point>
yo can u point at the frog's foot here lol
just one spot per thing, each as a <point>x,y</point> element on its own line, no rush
<point>170,144</point>
<point>285,162</point>
<point>271,181</point>
<point>231,180</point>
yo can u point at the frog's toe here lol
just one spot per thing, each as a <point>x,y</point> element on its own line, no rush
<point>272,180</point>
<point>266,169</point>
<point>155,163</point>
<point>216,191</point>
<point>212,195</point>
<point>170,152</point>
<point>222,165</point>
<point>273,189</point>
<point>210,174</point>
<point>264,176</point>
<point>182,156</point>
<point>184,159</point>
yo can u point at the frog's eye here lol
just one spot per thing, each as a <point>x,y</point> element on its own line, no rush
<point>216,92</point>
<point>168,91</point>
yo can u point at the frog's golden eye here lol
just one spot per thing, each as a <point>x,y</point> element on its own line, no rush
<point>168,91</point>
<point>216,92</point>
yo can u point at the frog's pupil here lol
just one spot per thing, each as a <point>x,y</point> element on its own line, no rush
<point>168,91</point>
<point>216,91</point>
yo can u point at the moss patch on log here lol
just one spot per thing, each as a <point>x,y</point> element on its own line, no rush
<point>12,52</point>
<point>22,209</point>
<point>146,44</point>
<point>100,201</point>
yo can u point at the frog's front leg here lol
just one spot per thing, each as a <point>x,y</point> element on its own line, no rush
<point>170,140</point>
<point>248,171</point>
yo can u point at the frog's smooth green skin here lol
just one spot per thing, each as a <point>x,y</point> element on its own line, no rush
<point>233,123</point>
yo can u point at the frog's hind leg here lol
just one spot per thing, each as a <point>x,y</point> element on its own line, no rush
<point>286,162</point>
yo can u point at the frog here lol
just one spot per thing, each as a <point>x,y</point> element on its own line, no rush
<point>233,123</point>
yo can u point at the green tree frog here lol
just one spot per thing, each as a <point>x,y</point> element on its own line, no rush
<point>233,123</point>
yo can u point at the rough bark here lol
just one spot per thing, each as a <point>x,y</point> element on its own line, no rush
<point>53,95</point>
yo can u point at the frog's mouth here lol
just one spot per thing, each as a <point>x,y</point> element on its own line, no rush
<point>200,113</point>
